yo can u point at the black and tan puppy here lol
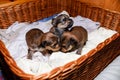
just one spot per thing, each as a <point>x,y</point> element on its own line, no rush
<point>74,39</point>
<point>60,24</point>
<point>49,43</point>
<point>33,40</point>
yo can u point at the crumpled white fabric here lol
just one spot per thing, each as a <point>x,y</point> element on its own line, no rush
<point>88,24</point>
<point>33,67</point>
<point>14,39</point>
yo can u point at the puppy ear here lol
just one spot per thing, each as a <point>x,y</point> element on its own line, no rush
<point>53,22</point>
<point>70,23</point>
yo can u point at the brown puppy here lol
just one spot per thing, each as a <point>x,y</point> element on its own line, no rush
<point>33,40</point>
<point>60,24</point>
<point>49,43</point>
<point>74,39</point>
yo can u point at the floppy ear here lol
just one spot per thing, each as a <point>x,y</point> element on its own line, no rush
<point>70,23</point>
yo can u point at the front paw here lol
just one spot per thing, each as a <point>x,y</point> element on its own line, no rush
<point>78,52</point>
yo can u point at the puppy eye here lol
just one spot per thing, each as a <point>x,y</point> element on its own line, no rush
<point>65,47</point>
<point>64,19</point>
<point>49,43</point>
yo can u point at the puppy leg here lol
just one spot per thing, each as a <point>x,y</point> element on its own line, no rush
<point>30,54</point>
<point>80,49</point>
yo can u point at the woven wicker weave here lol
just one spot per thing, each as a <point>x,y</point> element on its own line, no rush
<point>88,66</point>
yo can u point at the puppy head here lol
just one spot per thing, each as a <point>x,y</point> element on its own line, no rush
<point>33,38</point>
<point>62,21</point>
<point>69,42</point>
<point>50,42</point>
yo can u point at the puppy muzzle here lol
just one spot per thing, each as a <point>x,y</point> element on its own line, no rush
<point>67,50</point>
<point>56,48</point>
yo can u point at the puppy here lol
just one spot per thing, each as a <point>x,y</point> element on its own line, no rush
<point>49,43</point>
<point>33,40</point>
<point>74,39</point>
<point>60,24</point>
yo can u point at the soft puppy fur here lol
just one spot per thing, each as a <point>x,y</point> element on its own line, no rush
<point>49,43</point>
<point>74,39</point>
<point>33,40</point>
<point>60,24</point>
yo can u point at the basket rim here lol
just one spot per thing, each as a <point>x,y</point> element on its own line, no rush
<point>96,6</point>
<point>12,4</point>
<point>25,1</point>
<point>16,2</point>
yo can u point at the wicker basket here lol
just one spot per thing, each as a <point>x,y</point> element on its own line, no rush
<point>88,66</point>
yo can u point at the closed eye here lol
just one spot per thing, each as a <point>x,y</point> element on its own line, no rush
<point>64,19</point>
<point>64,47</point>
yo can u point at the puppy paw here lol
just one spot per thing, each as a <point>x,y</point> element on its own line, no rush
<point>78,52</point>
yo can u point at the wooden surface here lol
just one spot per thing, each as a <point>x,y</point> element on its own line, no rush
<point>107,4</point>
<point>5,1</point>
